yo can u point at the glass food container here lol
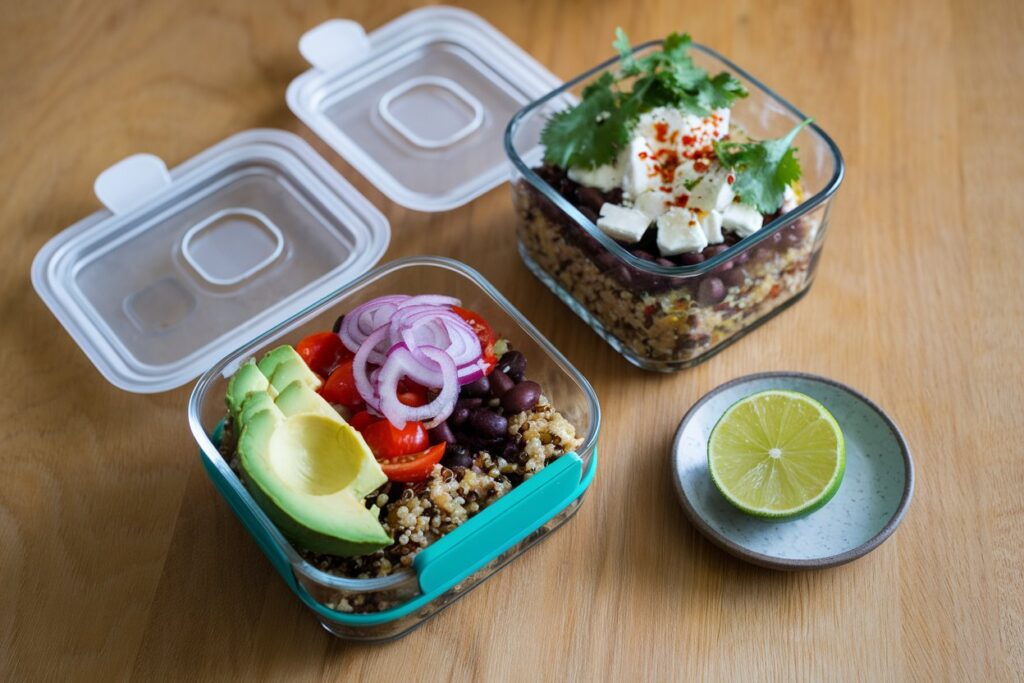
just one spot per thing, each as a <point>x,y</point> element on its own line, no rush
<point>459,561</point>
<point>659,317</point>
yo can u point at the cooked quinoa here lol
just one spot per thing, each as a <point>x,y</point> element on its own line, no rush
<point>659,321</point>
<point>418,514</point>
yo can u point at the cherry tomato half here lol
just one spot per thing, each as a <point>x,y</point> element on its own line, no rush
<point>412,394</point>
<point>360,420</point>
<point>483,332</point>
<point>322,352</point>
<point>340,387</point>
<point>413,467</point>
<point>386,442</point>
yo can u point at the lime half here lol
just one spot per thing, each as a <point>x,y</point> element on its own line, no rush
<point>777,454</point>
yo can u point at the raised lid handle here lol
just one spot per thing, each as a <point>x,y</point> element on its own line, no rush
<point>131,182</point>
<point>504,523</point>
<point>334,44</point>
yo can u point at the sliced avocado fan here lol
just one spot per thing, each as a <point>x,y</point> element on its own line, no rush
<point>307,469</point>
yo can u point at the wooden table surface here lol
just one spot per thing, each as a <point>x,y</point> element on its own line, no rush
<point>118,559</point>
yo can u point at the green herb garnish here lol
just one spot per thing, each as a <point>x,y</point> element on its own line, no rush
<point>763,169</point>
<point>592,133</point>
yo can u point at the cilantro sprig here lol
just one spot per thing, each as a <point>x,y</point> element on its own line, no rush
<point>592,132</point>
<point>763,169</point>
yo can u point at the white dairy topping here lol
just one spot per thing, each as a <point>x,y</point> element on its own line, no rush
<point>653,203</point>
<point>711,223</point>
<point>679,232</point>
<point>714,191</point>
<point>741,220</point>
<point>622,223</point>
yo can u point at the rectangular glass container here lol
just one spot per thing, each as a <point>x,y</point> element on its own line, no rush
<point>666,318</point>
<point>462,559</point>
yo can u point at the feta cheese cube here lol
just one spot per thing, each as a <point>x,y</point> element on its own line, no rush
<point>653,203</point>
<point>741,219</point>
<point>714,191</point>
<point>603,178</point>
<point>679,232</point>
<point>622,223</point>
<point>639,174</point>
<point>711,223</point>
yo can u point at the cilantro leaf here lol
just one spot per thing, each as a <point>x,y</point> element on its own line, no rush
<point>763,169</point>
<point>592,132</point>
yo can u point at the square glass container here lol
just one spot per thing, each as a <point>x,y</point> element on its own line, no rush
<point>458,562</point>
<point>666,318</point>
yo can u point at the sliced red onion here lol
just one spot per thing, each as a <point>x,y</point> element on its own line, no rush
<point>364,385</point>
<point>366,318</point>
<point>401,363</point>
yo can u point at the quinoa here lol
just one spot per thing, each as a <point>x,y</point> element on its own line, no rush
<point>659,321</point>
<point>417,515</point>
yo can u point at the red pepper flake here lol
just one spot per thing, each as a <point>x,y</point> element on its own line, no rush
<point>666,188</point>
<point>730,179</point>
<point>700,166</point>
<point>661,131</point>
<point>680,201</point>
<point>642,155</point>
<point>672,138</point>
<point>776,288</point>
<point>688,140</point>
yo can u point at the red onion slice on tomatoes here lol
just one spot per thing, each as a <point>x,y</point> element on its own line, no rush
<point>401,363</point>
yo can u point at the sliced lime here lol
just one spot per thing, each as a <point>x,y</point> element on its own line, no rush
<point>777,454</point>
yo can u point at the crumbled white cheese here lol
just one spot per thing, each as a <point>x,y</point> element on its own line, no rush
<point>679,232</point>
<point>741,219</point>
<point>604,178</point>
<point>653,203</point>
<point>789,199</point>
<point>637,162</point>
<point>622,223</point>
<point>714,191</point>
<point>711,223</point>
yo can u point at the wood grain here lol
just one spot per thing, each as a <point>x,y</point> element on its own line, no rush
<point>119,560</point>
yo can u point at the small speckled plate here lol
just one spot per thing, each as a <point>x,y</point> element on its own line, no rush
<point>869,505</point>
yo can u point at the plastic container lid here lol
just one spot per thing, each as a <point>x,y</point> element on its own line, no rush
<point>187,265</point>
<point>418,106</point>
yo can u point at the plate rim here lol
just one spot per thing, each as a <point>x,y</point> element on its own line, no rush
<point>774,562</point>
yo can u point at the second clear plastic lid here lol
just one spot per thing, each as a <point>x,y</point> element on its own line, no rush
<point>187,265</point>
<point>418,106</point>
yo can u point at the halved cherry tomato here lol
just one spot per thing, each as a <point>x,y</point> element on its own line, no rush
<point>360,420</point>
<point>386,442</point>
<point>322,352</point>
<point>340,387</point>
<point>413,467</point>
<point>412,394</point>
<point>483,332</point>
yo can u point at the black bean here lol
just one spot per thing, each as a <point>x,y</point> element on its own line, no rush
<point>441,432</point>
<point>691,259</point>
<point>337,324</point>
<point>459,415</point>
<point>591,216</point>
<point>456,455</point>
<point>743,258</point>
<point>487,423</point>
<point>734,277</point>
<point>714,250</point>
<point>710,291</point>
<point>590,198</point>
<point>662,261</point>
<point>523,397</point>
<point>476,388</point>
<point>500,383</point>
<point>513,364</point>
<point>641,254</point>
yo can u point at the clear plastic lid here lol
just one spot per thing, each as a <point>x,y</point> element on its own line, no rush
<point>418,106</point>
<point>187,265</point>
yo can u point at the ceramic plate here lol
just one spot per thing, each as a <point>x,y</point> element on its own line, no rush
<point>869,505</point>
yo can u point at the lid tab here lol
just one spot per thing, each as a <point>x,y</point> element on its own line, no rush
<point>131,182</point>
<point>334,44</point>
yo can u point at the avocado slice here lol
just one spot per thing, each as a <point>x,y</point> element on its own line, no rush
<point>256,402</point>
<point>246,381</point>
<point>309,472</point>
<point>298,398</point>
<point>284,365</point>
